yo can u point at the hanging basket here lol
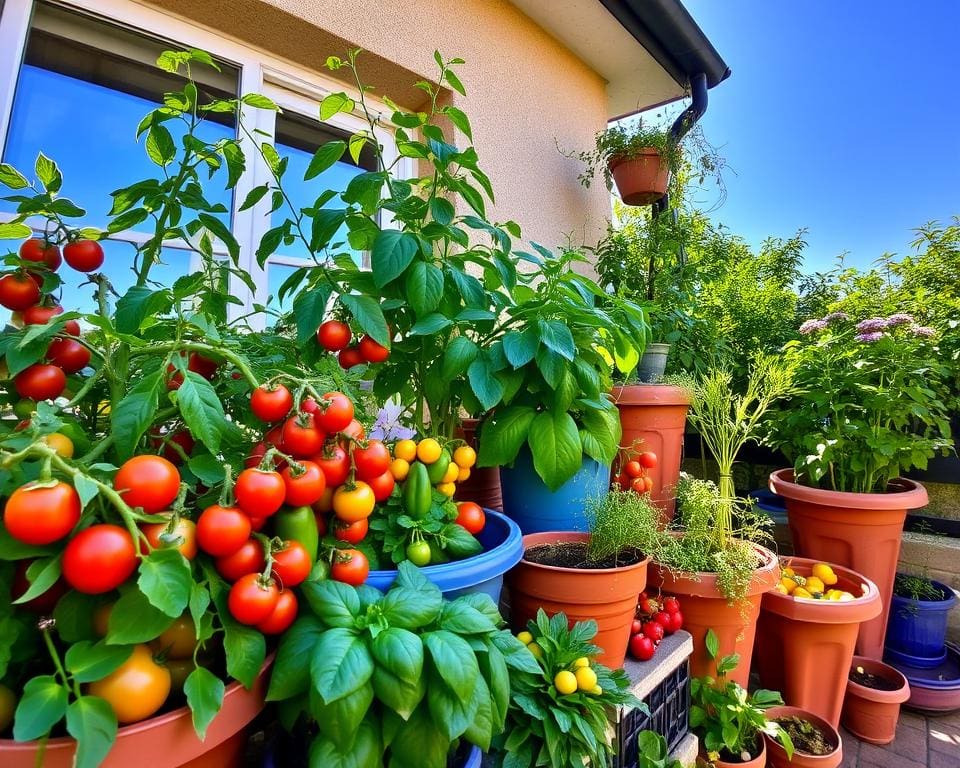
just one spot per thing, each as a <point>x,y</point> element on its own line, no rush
<point>641,179</point>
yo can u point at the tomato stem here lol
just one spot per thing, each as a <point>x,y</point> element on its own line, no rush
<point>45,626</point>
<point>226,494</point>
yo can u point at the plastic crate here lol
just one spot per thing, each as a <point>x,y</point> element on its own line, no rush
<point>669,705</point>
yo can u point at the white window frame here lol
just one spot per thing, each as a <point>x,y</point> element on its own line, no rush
<point>299,89</point>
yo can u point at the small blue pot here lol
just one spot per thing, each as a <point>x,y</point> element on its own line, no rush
<point>474,758</point>
<point>918,628</point>
<point>536,508</point>
<point>503,547</point>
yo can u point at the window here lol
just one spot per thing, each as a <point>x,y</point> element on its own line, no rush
<point>76,76</point>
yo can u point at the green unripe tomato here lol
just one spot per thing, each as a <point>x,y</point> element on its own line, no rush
<point>418,553</point>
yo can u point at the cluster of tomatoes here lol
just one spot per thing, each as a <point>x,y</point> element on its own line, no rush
<point>654,620</point>
<point>634,476</point>
<point>335,336</point>
<point>21,292</point>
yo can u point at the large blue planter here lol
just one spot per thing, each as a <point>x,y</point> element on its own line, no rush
<point>918,628</point>
<point>503,548</point>
<point>536,508</point>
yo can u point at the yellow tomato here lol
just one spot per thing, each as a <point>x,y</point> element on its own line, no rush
<point>406,450</point>
<point>62,444</point>
<point>802,594</point>
<point>399,468</point>
<point>597,690</point>
<point>525,637</point>
<point>536,650</point>
<point>586,678</point>
<point>463,474</point>
<point>450,476</point>
<point>583,661</point>
<point>565,682</point>
<point>465,457</point>
<point>815,585</point>
<point>428,450</point>
<point>136,689</point>
<point>447,489</point>
<point>825,573</point>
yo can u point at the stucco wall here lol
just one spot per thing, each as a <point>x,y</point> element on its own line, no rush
<point>526,93</point>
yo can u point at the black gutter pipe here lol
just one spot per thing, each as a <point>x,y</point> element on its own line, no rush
<point>685,122</point>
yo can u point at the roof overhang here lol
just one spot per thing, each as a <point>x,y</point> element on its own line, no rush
<point>646,50</point>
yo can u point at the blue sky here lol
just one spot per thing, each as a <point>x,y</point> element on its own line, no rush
<point>841,117</point>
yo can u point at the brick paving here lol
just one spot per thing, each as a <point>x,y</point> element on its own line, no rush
<point>922,742</point>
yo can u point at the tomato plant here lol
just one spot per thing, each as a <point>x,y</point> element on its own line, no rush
<point>333,335</point>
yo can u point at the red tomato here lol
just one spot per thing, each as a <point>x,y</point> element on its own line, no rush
<point>676,622</point>
<point>256,455</point>
<point>274,437</point>
<point>336,412</point>
<point>333,335</point>
<point>202,365</point>
<point>334,462</point>
<point>642,648</point>
<point>633,469</point>
<point>354,431</point>
<point>260,493</point>
<point>623,481</point>
<point>43,315</point>
<point>39,514</point>
<point>304,487</point>
<point>653,630</point>
<point>372,351</point>
<point>648,459</point>
<point>183,537</point>
<point>639,484</point>
<point>149,482</point>
<point>671,604</point>
<point>40,382</point>
<point>181,438</point>
<point>324,504</point>
<point>350,357</point>
<point>83,255</point>
<point>371,461</point>
<point>36,249</point>
<point>68,354</point>
<point>350,566</point>
<point>301,436</point>
<point>663,619</point>
<point>382,485</point>
<point>636,627</point>
<point>248,559</point>
<point>648,484</point>
<point>309,405</point>
<point>222,531</point>
<point>283,614</point>
<point>41,604</point>
<point>470,515</point>
<point>99,558</point>
<point>271,404</point>
<point>647,605</point>
<point>252,598</point>
<point>292,564</point>
<point>258,523</point>
<point>351,533</point>
<point>18,291</point>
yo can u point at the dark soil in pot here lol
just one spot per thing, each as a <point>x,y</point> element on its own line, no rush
<point>806,737</point>
<point>574,555</point>
<point>870,680</point>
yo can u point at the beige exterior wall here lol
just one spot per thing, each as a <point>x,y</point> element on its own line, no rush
<point>526,92</point>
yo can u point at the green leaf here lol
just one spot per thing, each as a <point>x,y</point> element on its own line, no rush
<point>391,255</point>
<point>258,101</point>
<point>459,119</point>
<point>457,357</point>
<point>334,103</point>
<point>42,705</point>
<point>556,448</point>
<point>424,287</point>
<point>204,692</point>
<point>134,620</point>
<point>246,650</point>
<point>400,652</point>
<point>166,580</point>
<point>369,316</point>
<point>601,433</point>
<point>137,304</point>
<point>88,661</point>
<point>48,173</point>
<point>12,178</point>
<point>309,309</point>
<point>220,230</point>
<point>92,722</point>
<point>484,384</point>
<point>503,434</point>
<point>336,604</point>
<point>431,324</point>
<point>291,669</point>
<point>160,145</point>
<point>325,157</point>
<point>326,223</point>
<point>341,664</point>
<point>420,742</point>
<point>131,417</point>
<point>454,82</point>
<point>442,210</point>
<point>86,489</point>
<point>42,574</point>
<point>14,231</point>
<point>520,346</point>
<point>556,336</point>
<point>366,751</point>
<point>454,661</point>
<point>461,618</point>
<point>712,643</point>
<point>254,196</point>
<point>411,608</point>
<point>340,720</point>
<point>399,695</point>
<point>202,410</point>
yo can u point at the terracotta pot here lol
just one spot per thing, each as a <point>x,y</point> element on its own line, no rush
<point>777,755</point>
<point>758,762</point>
<point>607,595</point>
<point>856,530</point>
<point>655,414</point>
<point>167,741</point>
<point>869,714</point>
<point>483,485</point>
<point>804,647</point>
<point>704,607</point>
<point>642,179</point>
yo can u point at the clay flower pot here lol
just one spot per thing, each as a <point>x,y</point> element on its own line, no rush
<point>804,647</point>
<point>607,595</point>
<point>166,741</point>
<point>757,762</point>
<point>483,485</point>
<point>705,607</point>
<point>777,755</point>
<point>871,714</point>
<point>856,530</point>
<point>657,415</point>
<point>641,179</point>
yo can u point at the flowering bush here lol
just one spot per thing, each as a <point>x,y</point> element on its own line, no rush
<point>868,405</point>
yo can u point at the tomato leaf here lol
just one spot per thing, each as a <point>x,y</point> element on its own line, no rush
<point>391,255</point>
<point>459,354</point>
<point>165,579</point>
<point>324,158</point>
<point>88,661</point>
<point>291,668</point>
<point>341,664</point>
<point>484,384</point>
<point>204,692</point>
<point>309,308</point>
<point>424,287</point>
<point>520,346</point>
<point>366,752</point>
<point>42,705</point>
<point>462,618</point>
<point>130,418</point>
<point>369,316</point>
<point>340,720</point>
<point>201,410</point>
<point>42,575</point>
<point>454,661</point>
<point>133,619</point>
<point>245,647</point>
<point>92,722</point>
<point>410,608</point>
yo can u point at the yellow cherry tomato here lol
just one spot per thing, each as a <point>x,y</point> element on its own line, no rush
<point>586,678</point>
<point>352,504</point>
<point>452,473</point>
<point>428,450</point>
<point>447,489</point>
<point>463,474</point>
<point>583,661</point>
<point>399,468</point>
<point>406,450</point>
<point>62,444</point>
<point>597,690</point>
<point>536,650</point>
<point>136,689</point>
<point>802,594</point>
<point>525,637</point>
<point>465,457</point>
<point>565,682</point>
<point>825,573</point>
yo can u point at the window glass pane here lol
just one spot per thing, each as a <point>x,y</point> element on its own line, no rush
<point>276,274</point>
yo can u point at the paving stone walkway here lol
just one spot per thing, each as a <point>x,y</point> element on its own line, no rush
<point>922,742</point>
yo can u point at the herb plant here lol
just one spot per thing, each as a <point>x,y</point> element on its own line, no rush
<point>622,523</point>
<point>916,588</point>
<point>652,751</point>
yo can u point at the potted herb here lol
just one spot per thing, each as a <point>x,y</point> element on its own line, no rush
<point>730,722</point>
<point>652,751</point>
<point>556,432</point>
<point>397,678</point>
<point>866,410</point>
<point>875,692</point>
<point>584,575</point>
<point>816,743</point>
<point>917,630</point>
<point>558,714</point>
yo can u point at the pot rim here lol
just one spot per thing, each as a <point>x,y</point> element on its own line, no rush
<point>898,696</point>
<point>566,537</point>
<point>642,153</point>
<point>789,711</point>
<point>650,394</point>
<point>704,583</point>
<point>760,760</point>
<point>910,496</point>
<point>864,608</point>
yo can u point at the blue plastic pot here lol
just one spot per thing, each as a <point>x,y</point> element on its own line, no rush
<point>918,628</point>
<point>503,548</point>
<point>473,759</point>
<point>771,503</point>
<point>537,509</point>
